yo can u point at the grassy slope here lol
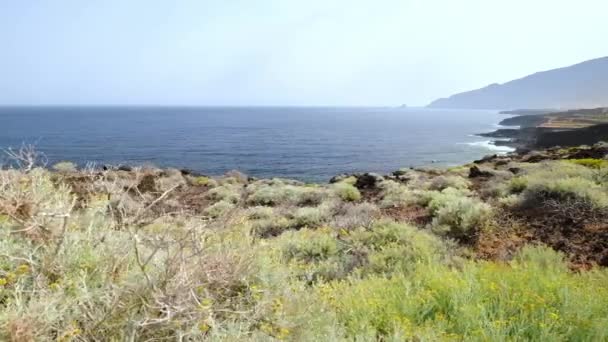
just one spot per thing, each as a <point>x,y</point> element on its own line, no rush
<point>420,254</point>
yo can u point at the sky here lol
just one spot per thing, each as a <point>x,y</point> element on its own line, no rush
<point>283,52</point>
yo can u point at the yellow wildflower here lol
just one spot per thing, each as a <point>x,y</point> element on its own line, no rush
<point>282,333</point>
<point>204,327</point>
<point>206,302</point>
<point>22,269</point>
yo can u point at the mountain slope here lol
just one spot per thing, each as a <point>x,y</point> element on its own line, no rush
<point>577,86</point>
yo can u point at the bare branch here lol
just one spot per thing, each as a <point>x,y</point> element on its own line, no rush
<point>26,157</point>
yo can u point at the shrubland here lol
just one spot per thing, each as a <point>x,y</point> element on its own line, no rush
<point>510,253</point>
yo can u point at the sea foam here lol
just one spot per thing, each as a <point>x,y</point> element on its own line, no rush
<point>489,145</point>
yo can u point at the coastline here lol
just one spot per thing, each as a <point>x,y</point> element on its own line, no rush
<point>533,129</point>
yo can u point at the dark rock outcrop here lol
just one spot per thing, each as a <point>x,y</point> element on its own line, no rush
<point>147,184</point>
<point>368,181</point>
<point>475,172</point>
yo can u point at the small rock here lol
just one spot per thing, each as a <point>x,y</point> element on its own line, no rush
<point>515,170</point>
<point>501,162</point>
<point>188,172</point>
<point>338,178</point>
<point>125,168</point>
<point>486,159</point>
<point>475,172</point>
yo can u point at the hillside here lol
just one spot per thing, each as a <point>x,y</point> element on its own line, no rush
<point>506,248</point>
<point>584,85</point>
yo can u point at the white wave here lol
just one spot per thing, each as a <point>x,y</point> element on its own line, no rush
<point>499,126</point>
<point>489,145</point>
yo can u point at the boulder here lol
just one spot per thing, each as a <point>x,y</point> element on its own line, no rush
<point>368,181</point>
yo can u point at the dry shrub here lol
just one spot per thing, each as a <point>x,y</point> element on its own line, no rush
<point>21,330</point>
<point>394,194</point>
<point>442,182</point>
<point>282,193</point>
<point>350,216</point>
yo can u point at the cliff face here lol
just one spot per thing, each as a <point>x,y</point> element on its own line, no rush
<point>566,128</point>
<point>578,86</point>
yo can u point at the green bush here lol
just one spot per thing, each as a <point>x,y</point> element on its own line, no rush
<point>310,216</point>
<point>354,215</point>
<point>386,248</point>
<point>347,192</point>
<point>394,194</point>
<point>313,256</point>
<point>272,226</point>
<point>204,181</point>
<point>352,180</point>
<point>309,246</point>
<point>260,213</point>
<point>601,177</point>
<point>561,182</point>
<point>442,182</point>
<point>517,184</point>
<point>226,192</point>
<point>481,302</point>
<point>456,215</point>
<point>278,193</point>
<point>219,208</point>
<point>564,189</point>
<point>396,247</point>
<point>590,162</point>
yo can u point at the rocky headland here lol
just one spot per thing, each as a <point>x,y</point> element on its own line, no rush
<point>532,129</point>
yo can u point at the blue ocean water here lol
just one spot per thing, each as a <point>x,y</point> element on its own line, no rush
<point>306,143</point>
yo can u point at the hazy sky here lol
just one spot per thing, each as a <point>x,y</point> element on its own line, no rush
<point>284,52</point>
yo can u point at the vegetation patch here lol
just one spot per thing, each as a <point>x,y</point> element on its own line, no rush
<point>151,254</point>
<point>534,297</point>
<point>590,162</point>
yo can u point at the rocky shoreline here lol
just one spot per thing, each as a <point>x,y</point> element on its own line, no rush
<point>534,129</point>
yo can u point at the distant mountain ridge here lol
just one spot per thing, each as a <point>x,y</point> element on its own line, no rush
<point>583,85</point>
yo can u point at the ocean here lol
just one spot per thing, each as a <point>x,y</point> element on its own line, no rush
<point>305,143</point>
